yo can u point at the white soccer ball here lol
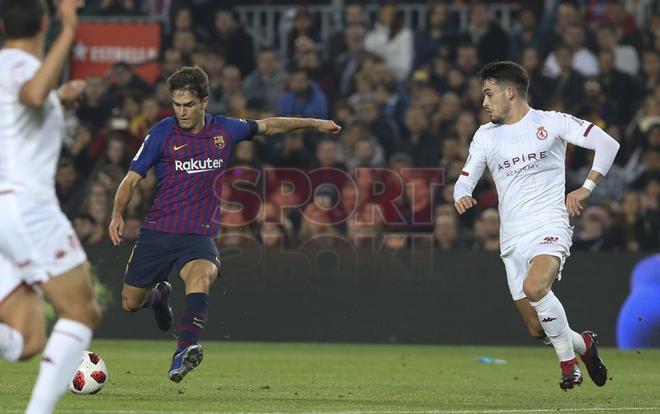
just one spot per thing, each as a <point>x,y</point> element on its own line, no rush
<point>91,376</point>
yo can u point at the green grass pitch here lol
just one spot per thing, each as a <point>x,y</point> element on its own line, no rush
<point>275,377</point>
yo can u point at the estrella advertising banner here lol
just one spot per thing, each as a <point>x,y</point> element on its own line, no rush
<point>100,44</point>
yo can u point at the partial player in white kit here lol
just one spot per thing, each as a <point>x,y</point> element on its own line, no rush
<point>525,152</point>
<point>38,247</point>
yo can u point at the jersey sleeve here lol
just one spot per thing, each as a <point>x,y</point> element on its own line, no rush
<point>18,73</point>
<point>571,129</point>
<point>587,135</point>
<point>241,129</point>
<point>473,169</point>
<point>148,153</point>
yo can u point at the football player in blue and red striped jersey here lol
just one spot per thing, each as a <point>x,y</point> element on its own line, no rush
<point>190,152</point>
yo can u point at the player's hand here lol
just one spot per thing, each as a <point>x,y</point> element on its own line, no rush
<point>465,203</point>
<point>116,229</point>
<point>70,92</point>
<point>574,201</point>
<point>329,127</point>
<point>68,12</point>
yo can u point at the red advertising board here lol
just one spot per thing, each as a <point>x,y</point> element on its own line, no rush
<point>99,45</point>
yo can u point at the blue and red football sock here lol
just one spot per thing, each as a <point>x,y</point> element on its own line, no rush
<point>193,321</point>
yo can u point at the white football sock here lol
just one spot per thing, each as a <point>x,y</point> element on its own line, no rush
<point>61,358</point>
<point>553,320</point>
<point>578,343</point>
<point>11,343</point>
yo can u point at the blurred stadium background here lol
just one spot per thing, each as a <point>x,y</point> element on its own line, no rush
<point>356,239</point>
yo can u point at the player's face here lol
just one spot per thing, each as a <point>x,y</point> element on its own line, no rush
<point>496,101</point>
<point>189,110</point>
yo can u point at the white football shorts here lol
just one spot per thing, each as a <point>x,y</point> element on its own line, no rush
<point>10,277</point>
<point>37,238</point>
<point>517,256</point>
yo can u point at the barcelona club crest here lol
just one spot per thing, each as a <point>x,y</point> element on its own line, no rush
<point>219,141</point>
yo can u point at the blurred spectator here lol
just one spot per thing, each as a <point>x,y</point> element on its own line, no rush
<point>68,187</point>
<point>79,150</point>
<point>437,38</point>
<point>354,15</point>
<point>290,151</point>
<point>650,168</point>
<point>365,227</point>
<point>624,24</point>
<point>304,98</point>
<point>487,231</point>
<point>219,95</point>
<point>392,41</point>
<point>86,229</point>
<point>591,231</point>
<point>633,230</point>
<point>418,141</point>
<point>303,26</point>
<point>527,35</point>
<point>184,41</point>
<point>117,8</point>
<point>95,106</point>
<point>582,59</point>
<point>347,63</point>
<point>626,58</point>
<point>446,233</point>
<point>650,74</point>
<point>233,41</point>
<point>541,87</point>
<point>327,155</point>
<point>264,86</point>
<point>383,129</point>
<point>609,190</point>
<point>467,60</point>
<point>308,58</point>
<point>570,83</point>
<point>366,153</point>
<point>183,19</point>
<point>617,86</point>
<point>124,79</point>
<point>486,35</point>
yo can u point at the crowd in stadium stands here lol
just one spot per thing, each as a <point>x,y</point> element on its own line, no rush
<point>406,98</point>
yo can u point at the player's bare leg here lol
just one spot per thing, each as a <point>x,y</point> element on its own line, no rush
<point>531,320</point>
<point>198,275</point>
<point>23,323</point>
<point>72,297</point>
<point>537,287</point>
<point>134,298</point>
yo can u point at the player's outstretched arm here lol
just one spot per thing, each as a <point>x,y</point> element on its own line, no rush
<point>122,198</point>
<point>280,125</point>
<point>35,91</point>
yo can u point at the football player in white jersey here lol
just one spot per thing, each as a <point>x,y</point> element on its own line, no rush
<point>38,246</point>
<point>525,152</point>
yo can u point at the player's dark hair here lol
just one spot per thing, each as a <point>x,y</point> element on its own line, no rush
<point>22,18</point>
<point>506,72</point>
<point>191,79</point>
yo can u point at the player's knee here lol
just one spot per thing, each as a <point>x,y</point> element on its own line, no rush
<point>33,343</point>
<point>86,312</point>
<point>130,304</point>
<point>533,290</point>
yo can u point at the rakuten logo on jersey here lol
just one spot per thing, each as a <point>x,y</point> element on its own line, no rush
<point>193,166</point>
